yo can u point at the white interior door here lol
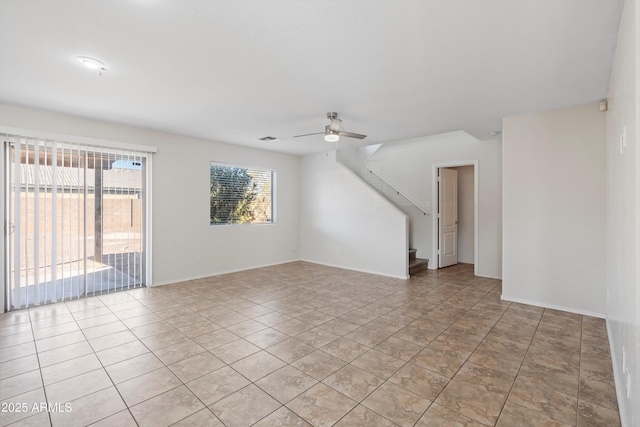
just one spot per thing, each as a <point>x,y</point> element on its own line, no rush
<point>448,217</point>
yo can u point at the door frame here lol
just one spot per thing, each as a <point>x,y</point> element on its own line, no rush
<point>434,218</point>
<point>146,151</point>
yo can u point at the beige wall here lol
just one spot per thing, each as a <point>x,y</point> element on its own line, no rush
<point>345,223</point>
<point>180,180</point>
<point>623,216</point>
<point>555,186</point>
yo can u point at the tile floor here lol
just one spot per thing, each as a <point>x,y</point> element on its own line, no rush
<point>301,344</point>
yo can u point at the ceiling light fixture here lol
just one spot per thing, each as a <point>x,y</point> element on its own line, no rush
<point>92,64</point>
<point>331,136</point>
<point>495,133</point>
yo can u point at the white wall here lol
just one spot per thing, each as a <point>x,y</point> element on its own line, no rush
<point>356,160</point>
<point>181,227</point>
<point>408,165</point>
<point>2,221</point>
<point>555,209</point>
<point>465,214</point>
<point>345,223</point>
<point>623,216</point>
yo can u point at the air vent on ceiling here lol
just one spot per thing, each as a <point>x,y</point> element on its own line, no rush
<point>268,138</point>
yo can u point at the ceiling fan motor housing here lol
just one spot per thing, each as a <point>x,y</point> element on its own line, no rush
<point>332,131</point>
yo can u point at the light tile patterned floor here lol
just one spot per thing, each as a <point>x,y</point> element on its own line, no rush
<point>301,344</point>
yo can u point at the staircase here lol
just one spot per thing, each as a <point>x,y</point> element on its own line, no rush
<point>355,159</point>
<point>416,264</point>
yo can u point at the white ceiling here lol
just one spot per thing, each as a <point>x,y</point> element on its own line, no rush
<point>234,71</point>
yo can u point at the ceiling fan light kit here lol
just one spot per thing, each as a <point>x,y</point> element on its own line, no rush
<point>331,136</point>
<point>332,132</point>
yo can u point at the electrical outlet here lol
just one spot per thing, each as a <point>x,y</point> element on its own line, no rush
<point>294,248</point>
<point>199,258</point>
<point>338,250</point>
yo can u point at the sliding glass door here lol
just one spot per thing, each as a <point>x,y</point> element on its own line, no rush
<point>76,220</point>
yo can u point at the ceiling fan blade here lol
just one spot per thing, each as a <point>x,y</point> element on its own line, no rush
<point>351,135</point>
<point>309,134</point>
<point>335,124</point>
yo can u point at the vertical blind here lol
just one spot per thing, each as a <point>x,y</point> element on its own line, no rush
<point>76,216</point>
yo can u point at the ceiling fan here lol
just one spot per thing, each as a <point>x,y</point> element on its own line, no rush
<point>332,131</point>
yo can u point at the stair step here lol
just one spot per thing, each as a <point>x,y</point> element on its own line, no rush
<point>412,254</point>
<point>417,265</point>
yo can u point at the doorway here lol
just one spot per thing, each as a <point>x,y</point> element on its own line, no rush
<point>455,222</point>
<point>76,217</point>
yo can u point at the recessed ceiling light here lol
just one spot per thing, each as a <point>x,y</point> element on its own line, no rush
<point>91,63</point>
<point>495,133</point>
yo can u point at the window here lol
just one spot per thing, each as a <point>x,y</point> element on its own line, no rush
<point>241,195</point>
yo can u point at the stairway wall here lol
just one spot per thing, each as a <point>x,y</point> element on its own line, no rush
<point>347,224</point>
<point>408,165</point>
<point>356,160</point>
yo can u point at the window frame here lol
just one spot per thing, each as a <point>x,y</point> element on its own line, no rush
<point>85,144</point>
<point>274,174</point>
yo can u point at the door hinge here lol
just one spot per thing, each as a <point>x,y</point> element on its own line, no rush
<point>438,251</point>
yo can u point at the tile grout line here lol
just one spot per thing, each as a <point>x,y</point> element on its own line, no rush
<point>106,306</point>
<point>150,351</point>
<point>370,348</point>
<point>409,361</point>
<point>579,372</point>
<point>290,303</point>
<point>102,364</point>
<point>519,368</point>
<point>44,390</point>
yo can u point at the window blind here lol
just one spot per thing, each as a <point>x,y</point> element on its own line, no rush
<point>77,217</point>
<point>241,195</point>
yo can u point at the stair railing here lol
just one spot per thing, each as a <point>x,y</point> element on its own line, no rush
<point>409,199</point>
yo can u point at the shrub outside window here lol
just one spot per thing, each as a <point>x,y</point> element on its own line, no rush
<point>241,195</point>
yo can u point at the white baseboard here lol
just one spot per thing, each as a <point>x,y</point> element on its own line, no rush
<point>488,276</point>
<point>253,267</point>
<point>553,307</point>
<point>220,273</point>
<point>377,273</point>
<point>476,272</point>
